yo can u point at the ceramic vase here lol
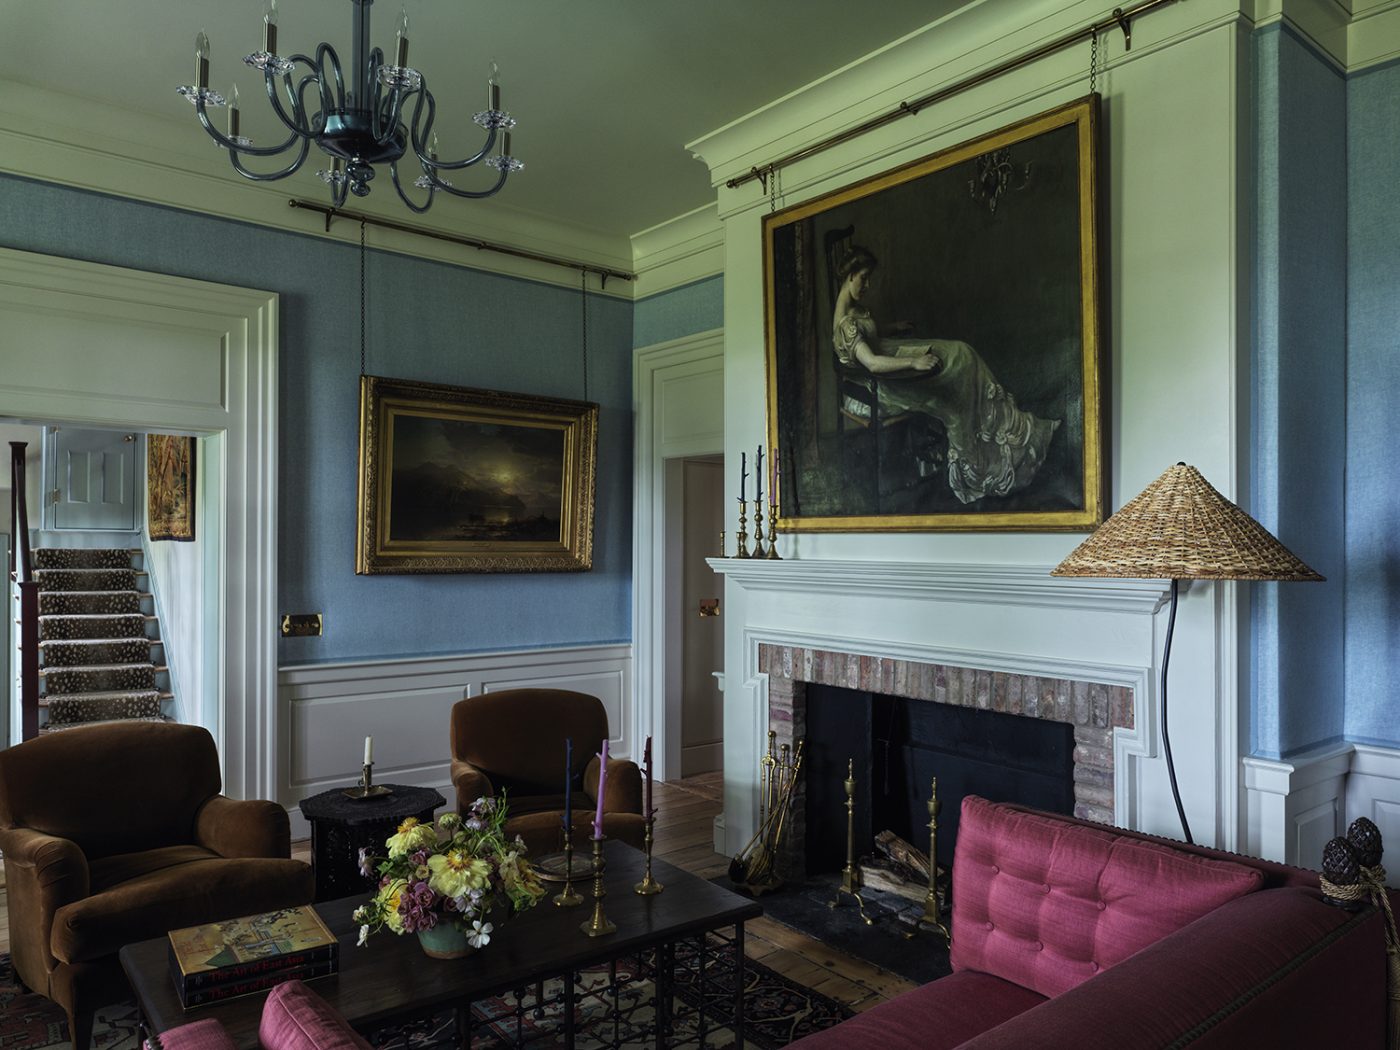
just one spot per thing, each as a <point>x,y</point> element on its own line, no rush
<point>446,940</point>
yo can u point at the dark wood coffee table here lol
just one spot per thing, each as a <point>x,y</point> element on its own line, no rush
<point>391,981</point>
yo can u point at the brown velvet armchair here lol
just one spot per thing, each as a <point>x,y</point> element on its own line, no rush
<point>513,741</point>
<point>117,833</point>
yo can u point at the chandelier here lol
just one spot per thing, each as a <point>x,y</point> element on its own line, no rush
<point>358,123</point>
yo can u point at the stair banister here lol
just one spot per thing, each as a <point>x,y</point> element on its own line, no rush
<point>22,573</point>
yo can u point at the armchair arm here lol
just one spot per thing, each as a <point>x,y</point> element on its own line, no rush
<point>43,873</point>
<point>471,784</point>
<point>623,791</point>
<point>54,866</point>
<point>253,828</point>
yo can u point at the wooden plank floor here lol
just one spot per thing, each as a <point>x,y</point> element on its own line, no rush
<point>685,837</point>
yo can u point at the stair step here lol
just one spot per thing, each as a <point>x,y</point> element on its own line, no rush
<point>120,678</point>
<point>75,668</point>
<point>87,652</point>
<point>88,580</point>
<point>161,695</point>
<point>84,557</point>
<point>71,626</point>
<point>61,727</point>
<point>101,708</point>
<point>109,603</point>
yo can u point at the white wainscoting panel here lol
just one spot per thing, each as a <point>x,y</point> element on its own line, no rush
<point>406,704</point>
<point>1294,805</point>
<point>1373,790</point>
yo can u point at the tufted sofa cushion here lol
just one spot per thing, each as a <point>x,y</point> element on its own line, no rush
<point>1047,905</point>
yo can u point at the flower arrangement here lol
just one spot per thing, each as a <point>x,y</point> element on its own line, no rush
<point>454,872</point>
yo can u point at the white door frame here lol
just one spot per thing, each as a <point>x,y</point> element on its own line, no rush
<point>667,427</point>
<point>109,346</point>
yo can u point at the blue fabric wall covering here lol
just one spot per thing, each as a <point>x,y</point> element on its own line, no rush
<point>1373,391</point>
<point>428,321</point>
<point>1300,396</point>
<point>691,308</point>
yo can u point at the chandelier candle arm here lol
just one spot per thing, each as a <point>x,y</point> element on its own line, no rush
<point>358,128</point>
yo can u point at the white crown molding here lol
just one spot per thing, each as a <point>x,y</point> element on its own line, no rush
<point>970,40</point>
<point>70,141</point>
<point>1026,585</point>
<point>1323,22</point>
<point>1374,36</point>
<point>678,252</point>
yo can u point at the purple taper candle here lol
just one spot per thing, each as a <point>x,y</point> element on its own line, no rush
<point>646,761</point>
<point>602,781</point>
<point>568,782</point>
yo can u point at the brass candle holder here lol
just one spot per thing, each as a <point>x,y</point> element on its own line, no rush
<point>568,897</point>
<point>773,554</point>
<point>368,788</point>
<point>759,551</point>
<point>850,874</point>
<point>933,913</point>
<point>743,537</point>
<point>648,885</point>
<point>721,545</point>
<point>598,924</point>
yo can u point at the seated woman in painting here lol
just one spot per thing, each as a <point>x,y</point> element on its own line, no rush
<point>994,448</point>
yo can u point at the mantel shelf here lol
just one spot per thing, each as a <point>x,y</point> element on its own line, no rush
<point>937,581</point>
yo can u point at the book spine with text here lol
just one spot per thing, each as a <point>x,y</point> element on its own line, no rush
<point>248,986</point>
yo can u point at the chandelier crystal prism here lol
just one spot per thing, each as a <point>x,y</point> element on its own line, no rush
<point>358,123</point>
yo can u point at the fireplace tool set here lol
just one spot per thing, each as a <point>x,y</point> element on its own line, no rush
<point>754,870</point>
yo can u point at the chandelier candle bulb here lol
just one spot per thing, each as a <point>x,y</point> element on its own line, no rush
<point>401,55</point>
<point>493,87</point>
<point>270,27</point>
<point>201,61</point>
<point>233,113</point>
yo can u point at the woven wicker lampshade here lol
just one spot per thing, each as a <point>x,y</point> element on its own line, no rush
<point>1180,528</point>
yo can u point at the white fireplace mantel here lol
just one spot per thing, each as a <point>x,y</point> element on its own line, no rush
<point>1027,585</point>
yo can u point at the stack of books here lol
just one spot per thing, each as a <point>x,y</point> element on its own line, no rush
<point>221,960</point>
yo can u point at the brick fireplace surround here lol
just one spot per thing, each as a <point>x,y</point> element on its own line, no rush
<point>1092,708</point>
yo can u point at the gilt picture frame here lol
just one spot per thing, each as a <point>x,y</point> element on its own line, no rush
<point>933,340</point>
<point>170,487</point>
<point>459,480</point>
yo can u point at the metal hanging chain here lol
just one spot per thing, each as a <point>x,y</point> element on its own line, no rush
<point>583,285</point>
<point>1093,60</point>
<point>362,297</point>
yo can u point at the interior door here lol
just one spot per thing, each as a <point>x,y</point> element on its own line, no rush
<point>702,641</point>
<point>91,479</point>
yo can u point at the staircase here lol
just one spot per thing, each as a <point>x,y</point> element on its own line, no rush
<point>98,640</point>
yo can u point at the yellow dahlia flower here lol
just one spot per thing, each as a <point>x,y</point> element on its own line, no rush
<point>412,835</point>
<point>456,872</point>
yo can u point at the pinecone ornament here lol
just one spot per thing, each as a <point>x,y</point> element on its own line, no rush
<point>1339,864</point>
<point>1365,839</point>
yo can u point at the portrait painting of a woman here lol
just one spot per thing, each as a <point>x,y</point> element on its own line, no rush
<point>933,340</point>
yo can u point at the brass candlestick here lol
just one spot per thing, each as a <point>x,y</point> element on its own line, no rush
<point>773,554</point>
<point>598,924</point>
<point>933,914</point>
<point>648,885</point>
<point>759,551</point>
<point>368,788</point>
<point>721,545</point>
<point>568,897</point>
<point>850,874</point>
<point>743,537</point>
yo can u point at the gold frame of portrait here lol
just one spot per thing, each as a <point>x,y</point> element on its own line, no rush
<point>1083,114</point>
<point>377,553</point>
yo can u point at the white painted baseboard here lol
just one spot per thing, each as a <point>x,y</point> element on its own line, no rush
<point>405,704</point>
<point>1294,805</point>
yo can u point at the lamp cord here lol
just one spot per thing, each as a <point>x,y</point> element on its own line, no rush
<point>1166,739</point>
<point>362,297</point>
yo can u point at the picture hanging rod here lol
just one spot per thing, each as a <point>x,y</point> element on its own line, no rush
<point>1120,19</point>
<point>469,242</point>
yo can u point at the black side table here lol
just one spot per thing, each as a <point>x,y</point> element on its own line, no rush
<point>341,826</point>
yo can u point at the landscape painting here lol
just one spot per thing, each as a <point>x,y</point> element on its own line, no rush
<point>460,480</point>
<point>933,340</point>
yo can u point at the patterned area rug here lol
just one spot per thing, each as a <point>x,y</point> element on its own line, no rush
<point>616,1009</point>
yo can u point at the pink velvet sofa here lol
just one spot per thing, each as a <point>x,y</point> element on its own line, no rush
<point>1073,934</point>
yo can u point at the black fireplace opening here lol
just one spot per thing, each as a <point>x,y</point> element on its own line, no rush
<point>897,746</point>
